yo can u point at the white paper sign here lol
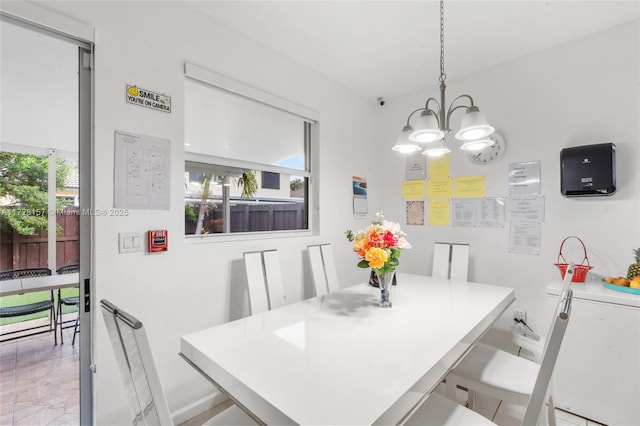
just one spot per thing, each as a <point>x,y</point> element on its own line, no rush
<point>490,212</point>
<point>464,212</point>
<point>524,178</point>
<point>524,238</point>
<point>142,170</point>
<point>525,208</point>
<point>416,168</point>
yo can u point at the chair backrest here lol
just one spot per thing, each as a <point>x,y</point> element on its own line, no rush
<point>137,368</point>
<point>549,357</point>
<point>272,273</point>
<point>257,285</point>
<point>459,262</point>
<point>69,269</point>
<point>24,273</point>
<point>317,270</point>
<point>329,264</point>
<point>450,260</point>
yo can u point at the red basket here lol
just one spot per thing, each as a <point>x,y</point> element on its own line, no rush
<point>580,271</point>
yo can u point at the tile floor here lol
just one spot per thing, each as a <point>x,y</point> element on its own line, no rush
<point>39,381</point>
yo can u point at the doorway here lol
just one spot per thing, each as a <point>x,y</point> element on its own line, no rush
<point>46,138</point>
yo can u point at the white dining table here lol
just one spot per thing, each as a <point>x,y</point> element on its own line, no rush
<point>339,359</point>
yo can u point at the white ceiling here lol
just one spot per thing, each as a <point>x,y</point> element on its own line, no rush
<point>390,48</point>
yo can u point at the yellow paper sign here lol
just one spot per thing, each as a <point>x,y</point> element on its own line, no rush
<point>439,212</point>
<point>470,187</point>
<point>439,167</point>
<point>413,190</point>
<point>439,188</point>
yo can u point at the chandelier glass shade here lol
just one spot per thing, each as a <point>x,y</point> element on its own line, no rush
<point>432,125</point>
<point>404,144</point>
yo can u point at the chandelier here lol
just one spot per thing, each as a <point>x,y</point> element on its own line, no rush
<point>432,126</point>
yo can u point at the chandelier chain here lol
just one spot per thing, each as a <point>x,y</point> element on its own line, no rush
<point>443,76</point>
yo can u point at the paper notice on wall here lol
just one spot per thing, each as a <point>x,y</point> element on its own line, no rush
<point>360,205</point>
<point>416,167</point>
<point>142,171</point>
<point>413,190</point>
<point>439,212</point>
<point>439,167</point>
<point>415,212</point>
<point>490,212</point>
<point>524,178</point>
<point>470,187</point>
<point>464,213</point>
<point>525,208</point>
<point>439,188</point>
<point>524,238</point>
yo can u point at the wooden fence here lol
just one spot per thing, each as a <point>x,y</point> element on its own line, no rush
<point>253,218</point>
<point>21,251</point>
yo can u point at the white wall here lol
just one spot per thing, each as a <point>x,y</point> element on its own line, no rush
<point>583,92</point>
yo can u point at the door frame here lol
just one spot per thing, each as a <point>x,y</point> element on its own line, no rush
<point>51,24</point>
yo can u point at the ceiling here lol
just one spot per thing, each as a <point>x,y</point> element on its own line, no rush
<point>390,48</point>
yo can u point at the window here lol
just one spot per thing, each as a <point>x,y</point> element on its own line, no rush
<point>270,180</point>
<point>248,159</point>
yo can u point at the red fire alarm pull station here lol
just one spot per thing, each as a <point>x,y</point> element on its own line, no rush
<point>158,241</point>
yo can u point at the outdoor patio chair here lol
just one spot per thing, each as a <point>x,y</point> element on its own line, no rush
<point>28,308</point>
<point>68,301</point>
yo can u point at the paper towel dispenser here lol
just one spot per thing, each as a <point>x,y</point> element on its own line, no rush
<point>588,171</point>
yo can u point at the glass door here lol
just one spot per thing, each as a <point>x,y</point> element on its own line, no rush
<point>45,162</point>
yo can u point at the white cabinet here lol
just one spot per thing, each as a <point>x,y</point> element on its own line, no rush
<point>597,374</point>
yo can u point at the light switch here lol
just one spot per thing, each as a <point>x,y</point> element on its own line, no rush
<point>129,242</point>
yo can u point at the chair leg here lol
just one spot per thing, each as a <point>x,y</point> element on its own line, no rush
<point>471,399</point>
<point>451,387</point>
<point>53,319</point>
<point>60,318</point>
<point>75,330</point>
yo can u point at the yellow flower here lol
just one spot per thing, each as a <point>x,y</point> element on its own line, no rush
<point>376,257</point>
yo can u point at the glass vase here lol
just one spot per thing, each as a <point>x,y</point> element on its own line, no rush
<point>385,279</point>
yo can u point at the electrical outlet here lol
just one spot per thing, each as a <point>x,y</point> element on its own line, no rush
<point>520,314</point>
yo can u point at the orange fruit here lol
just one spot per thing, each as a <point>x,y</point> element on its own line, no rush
<point>621,281</point>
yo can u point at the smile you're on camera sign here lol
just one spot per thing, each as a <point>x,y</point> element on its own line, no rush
<point>147,98</point>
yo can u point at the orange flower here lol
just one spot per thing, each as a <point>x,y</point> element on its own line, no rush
<point>376,257</point>
<point>375,240</point>
<point>360,246</point>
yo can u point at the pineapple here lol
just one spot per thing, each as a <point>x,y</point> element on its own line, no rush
<point>634,268</point>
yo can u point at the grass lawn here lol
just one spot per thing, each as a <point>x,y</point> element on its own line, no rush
<point>23,299</point>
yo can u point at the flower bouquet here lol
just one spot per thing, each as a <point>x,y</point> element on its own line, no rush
<point>379,247</point>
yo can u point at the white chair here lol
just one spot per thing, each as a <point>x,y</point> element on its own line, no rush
<point>330,267</point>
<point>257,285</point>
<point>264,280</point>
<point>317,270</point>
<point>451,261</point>
<point>499,371</point>
<point>535,344</point>
<point>273,276</point>
<point>323,268</point>
<point>139,375</point>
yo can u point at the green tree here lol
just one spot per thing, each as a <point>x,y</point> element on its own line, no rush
<point>296,184</point>
<point>23,191</point>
